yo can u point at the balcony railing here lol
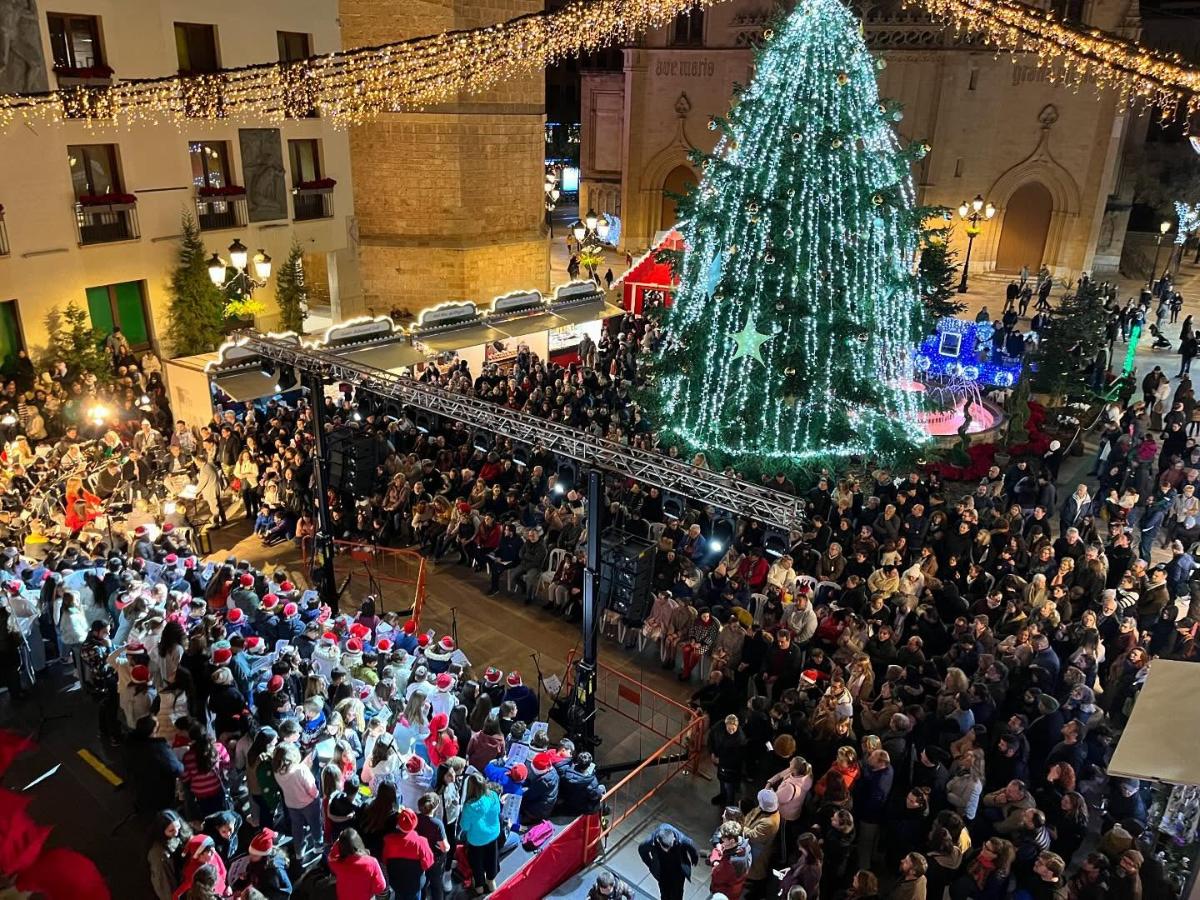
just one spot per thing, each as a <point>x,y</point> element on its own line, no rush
<point>312,204</point>
<point>214,213</point>
<point>106,224</point>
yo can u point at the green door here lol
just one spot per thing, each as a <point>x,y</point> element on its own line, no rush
<point>10,335</point>
<point>120,305</point>
<point>100,309</point>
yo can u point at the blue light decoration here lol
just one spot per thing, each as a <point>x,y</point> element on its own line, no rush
<point>953,351</point>
<point>1188,215</point>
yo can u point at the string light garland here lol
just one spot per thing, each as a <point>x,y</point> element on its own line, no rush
<point>1074,55</point>
<point>357,85</point>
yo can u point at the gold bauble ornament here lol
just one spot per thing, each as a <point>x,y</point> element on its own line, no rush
<point>843,79</point>
<point>835,143</point>
<point>768,34</point>
<point>877,199</point>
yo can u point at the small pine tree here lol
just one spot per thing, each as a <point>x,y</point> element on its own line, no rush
<point>291,293</point>
<point>938,274</point>
<point>73,339</point>
<point>1069,344</point>
<point>197,305</point>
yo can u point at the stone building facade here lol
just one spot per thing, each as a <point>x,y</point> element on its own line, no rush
<point>1046,155</point>
<point>450,207</point>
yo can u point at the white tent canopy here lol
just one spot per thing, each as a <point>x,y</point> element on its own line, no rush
<point>1161,739</point>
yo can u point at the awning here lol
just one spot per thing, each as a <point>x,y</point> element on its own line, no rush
<point>249,385</point>
<point>529,324</point>
<point>588,312</point>
<point>391,357</point>
<point>1160,740</point>
<point>461,338</point>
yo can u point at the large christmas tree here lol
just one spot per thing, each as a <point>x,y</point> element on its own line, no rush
<point>789,341</point>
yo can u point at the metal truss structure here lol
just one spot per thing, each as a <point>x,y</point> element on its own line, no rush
<point>733,495</point>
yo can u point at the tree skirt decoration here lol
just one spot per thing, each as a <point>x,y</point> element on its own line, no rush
<point>982,456</point>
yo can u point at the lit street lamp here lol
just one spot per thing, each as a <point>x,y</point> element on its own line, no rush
<point>591,234</point>
<point>1163,228</point>
<point>241,282</point>
<point>552,195</point>
<point>972,213</point>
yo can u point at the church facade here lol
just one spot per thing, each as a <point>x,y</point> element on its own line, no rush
<point>1048,156</point>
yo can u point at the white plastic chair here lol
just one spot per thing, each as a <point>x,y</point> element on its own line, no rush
<point>757,601</point>
<point>656,531</point>
<point>556,558</point>
<point>808,581</point>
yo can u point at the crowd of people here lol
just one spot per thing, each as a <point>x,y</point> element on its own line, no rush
<point>956,668</point>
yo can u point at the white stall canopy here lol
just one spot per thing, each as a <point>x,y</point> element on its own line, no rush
<point>1161,738</point>
<point>243,375</point>
<point>521,313</point>
<point>373,342</point>
<point>578,302</point>
<point>453,326</point>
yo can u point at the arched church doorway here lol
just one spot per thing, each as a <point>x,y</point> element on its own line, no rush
<point>679,180</point>
<point>1026,224</point>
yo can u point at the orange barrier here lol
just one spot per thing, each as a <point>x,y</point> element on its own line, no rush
<point>682,728</point>
<point>398,575</point>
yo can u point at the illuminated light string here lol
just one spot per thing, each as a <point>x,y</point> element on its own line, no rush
<point>808,203</point>
<point>354,86</point>
<point>1075,55</point>
<point>1188,215</point>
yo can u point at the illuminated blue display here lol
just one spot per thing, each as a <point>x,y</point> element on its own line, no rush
<point>961,349</point>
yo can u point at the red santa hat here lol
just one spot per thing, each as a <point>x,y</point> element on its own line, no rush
<point>170,559</point>
<point>423,641</point>
<point>270,601</point>
<point>359,630</point>
<point>221,656</point>
<point>234,615</point>
<point>513,679</point>
<point>446,644</point>
<point>246,580</point>
<point>414,764</point>
<point>542,763</point>
<point>329,638</point>
<point>262,844</point>
<point>492,675</point>
<point>384,645</point>
<point>275,684</point>
<point>190,562</point>
<point>438,723</point>
<point>410,626</point>
<point>14,586</point>
<point>444,682</point>
<point>168,527</point>
<point>134,647</point>
<point>140,531</point>
<point>255,644</point>
<point>140,674</point>
<point>287,587</point>
<point>354,646</point>
<point>290,609</point>
<point>518,772</point>
<point>406,821</point>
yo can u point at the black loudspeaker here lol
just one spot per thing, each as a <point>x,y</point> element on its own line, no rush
<point>626,575</point>
<point>352,462</point>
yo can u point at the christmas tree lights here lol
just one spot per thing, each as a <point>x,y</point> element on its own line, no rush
<point>789,341</point>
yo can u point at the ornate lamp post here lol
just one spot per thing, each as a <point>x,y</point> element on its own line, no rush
<point>591,233</point>
<point>552,195</point>
<point>1163,228</point>
<point>241,283</point>
<point>972,213</point>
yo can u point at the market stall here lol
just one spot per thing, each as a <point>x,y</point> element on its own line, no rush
<point>455,330</point>
<point>373,342</point>
<point>525,317</point>
<point>581,309</point>
<point>650,279</point>
<point>1158,746</point>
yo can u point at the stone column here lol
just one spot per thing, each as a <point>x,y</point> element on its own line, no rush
<point>448,201</point>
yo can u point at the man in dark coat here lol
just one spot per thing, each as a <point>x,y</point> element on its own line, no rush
<point>669,854</point>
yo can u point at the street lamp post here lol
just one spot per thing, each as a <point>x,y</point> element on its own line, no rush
<point>591,234</point>
<point>972,213</point>
<point>242,282</point>
<point>1163,228</point>
<point>552,195</point>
